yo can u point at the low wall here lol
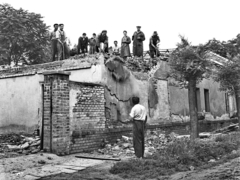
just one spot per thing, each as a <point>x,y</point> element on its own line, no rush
<point>21,91</point>
<point>95,141</point>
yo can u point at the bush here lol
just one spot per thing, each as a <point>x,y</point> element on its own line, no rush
<point>179,155</point>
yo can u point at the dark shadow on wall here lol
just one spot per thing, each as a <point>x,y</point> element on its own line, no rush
<point>152,96</point>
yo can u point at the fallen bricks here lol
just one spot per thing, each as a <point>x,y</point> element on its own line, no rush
<point>19,144</point>
<point>154,140</point>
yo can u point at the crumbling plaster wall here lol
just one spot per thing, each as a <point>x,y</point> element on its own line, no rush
<point>21,90</point>
<point>179,99</point>
<point>216,97</point>
<point>152,90</point>
<point>21,103</point>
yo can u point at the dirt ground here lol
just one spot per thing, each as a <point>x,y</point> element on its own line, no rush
<point>227,171</point>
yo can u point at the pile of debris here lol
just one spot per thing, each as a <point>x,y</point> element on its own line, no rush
<point>140,64</point>
<point>230,128</point>
<point>154,140</point>
<point>20,144</point>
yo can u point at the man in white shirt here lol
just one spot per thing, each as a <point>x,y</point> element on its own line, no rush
<point>63,49</point>
<point>54,41</point>
<point>138,116</point>
<point>116,48</point>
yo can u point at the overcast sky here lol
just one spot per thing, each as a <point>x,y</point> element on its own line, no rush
<point>198,20</point>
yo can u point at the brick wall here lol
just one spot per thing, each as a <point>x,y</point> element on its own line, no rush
<point>56,135</point>
<point>94,141</point>
<point>87,112</point>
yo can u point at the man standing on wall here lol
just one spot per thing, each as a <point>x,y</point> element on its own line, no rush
<point>54,41</point>
<point>63,39</point>
<point>138,117</point>
<point>154,40</point>
<point>116,49</point>
<point>92,44</point>
<point>83,44</point>
<point>102,42</point>
<point>138,38</point>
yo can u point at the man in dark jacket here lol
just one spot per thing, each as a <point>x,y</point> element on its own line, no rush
<point>138,38</point>
<point>83,44</point>
<point>102,42</point>
<point>154,40</point>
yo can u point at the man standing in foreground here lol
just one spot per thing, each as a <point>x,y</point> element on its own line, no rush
<point>138,117</point>
<point>138,38</point>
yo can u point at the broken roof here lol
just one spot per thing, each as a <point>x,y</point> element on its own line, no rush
<point>68,64</point>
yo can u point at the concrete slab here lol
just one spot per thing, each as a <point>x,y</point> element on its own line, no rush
<point>83,162</point>
<point>27,167</point>
<point>30,177</point>
<point>71,167</point>
<point>69,171</point>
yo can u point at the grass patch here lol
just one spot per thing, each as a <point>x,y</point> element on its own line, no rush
<point>181,155</point>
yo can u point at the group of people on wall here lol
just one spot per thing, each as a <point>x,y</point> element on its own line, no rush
<point>99,44</point>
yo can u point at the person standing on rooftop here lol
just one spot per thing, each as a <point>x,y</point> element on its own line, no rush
<point>102,42</point>
<point>92,44</point>
<point>138,38</point>
<point>54,41</point>
<point>83,44</point>
<point>125,49</point>
<point>154,40</point>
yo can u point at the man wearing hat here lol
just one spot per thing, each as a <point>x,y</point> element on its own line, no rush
<point>102,42</point>
<point>154,40</point>
<point>138,38</point>
<point>54,41</point>
<point>83,44</point>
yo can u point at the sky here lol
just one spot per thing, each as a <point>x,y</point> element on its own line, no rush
<point>197,20</point>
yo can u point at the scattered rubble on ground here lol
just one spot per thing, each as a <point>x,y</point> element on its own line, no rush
<point>16,144</point>
<point>230,128</point>
<point>154,140</point>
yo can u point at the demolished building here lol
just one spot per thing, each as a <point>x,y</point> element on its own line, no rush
<point>77,103</point>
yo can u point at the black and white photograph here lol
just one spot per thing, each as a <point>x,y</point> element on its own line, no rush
<point>119,90</point>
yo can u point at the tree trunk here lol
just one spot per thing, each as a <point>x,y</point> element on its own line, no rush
<point>9,60</point>
<point>193,109</point>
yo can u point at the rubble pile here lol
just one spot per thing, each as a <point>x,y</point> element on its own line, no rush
<point>19,144</point>
<point>86,57</point>
<point>154,140</point>
<point>230,128</point>
<point>140,64</point>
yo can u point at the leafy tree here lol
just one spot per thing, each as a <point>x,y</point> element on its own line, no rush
<point>23,35</point>
<point>228,75</point>
<point>189,67</point>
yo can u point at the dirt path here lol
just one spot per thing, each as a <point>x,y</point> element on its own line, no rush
<point>36,166</point>
<point>226,171</point>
